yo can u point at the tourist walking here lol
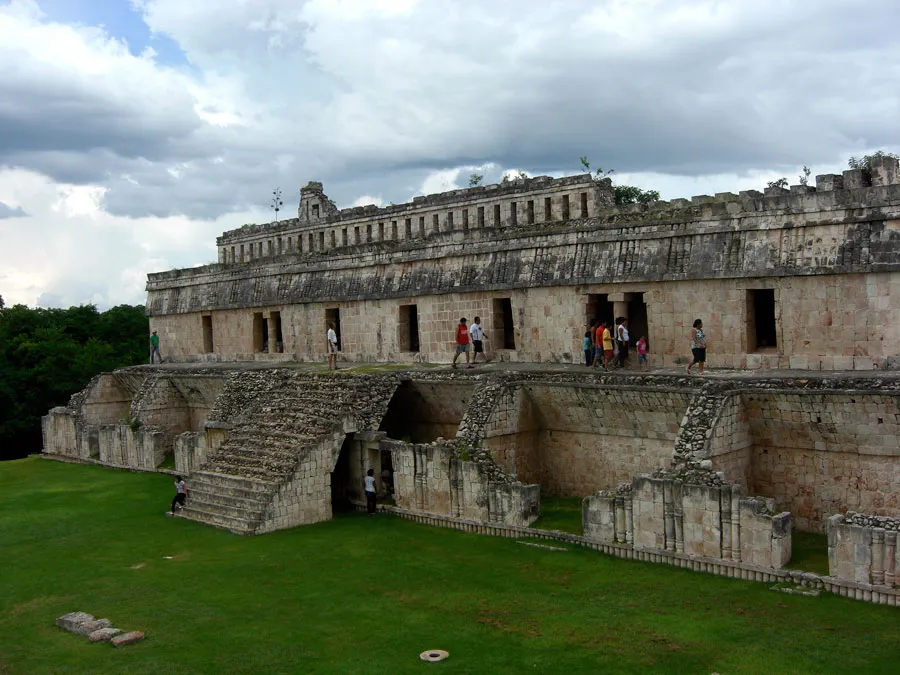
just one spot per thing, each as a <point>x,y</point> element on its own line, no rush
<point>608,353</point>
<point>642,351</point>
<point>477,334</point>
<point>698,346</point>
<point>622,337</point>
<point>370,492</point>
<point>331,337</point>
<point>598,344</point>
<point>588,348</point>
<point>181,494</point>
<point>462,342</point>
<point>154,347</point>
<point>592,327</point>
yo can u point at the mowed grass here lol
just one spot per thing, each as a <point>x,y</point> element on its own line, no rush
<point>368,594</point>
<point>560,513</point>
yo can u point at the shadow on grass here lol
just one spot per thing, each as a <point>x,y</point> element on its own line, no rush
<point>809,552</point>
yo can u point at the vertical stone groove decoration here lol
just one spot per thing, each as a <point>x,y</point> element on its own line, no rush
<point>864,549</point>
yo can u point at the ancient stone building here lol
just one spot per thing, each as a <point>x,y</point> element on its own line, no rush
<point>707,473</point>
<point>800,278</point>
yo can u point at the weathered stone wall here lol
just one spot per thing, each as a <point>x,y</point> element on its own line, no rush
<point>695,513</point>
<point>864,549</point>
<point>434,479</point>
<point>423,411</point>
<point>731,443</point>
<point>122,446</point>
<point>576,439</point>
<point>821,453</point>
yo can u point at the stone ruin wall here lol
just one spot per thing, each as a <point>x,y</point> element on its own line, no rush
<point>829,257</point>
<point>815,449</point>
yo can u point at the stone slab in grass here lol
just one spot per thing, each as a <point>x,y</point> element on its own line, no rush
<point>73,620</point>
<point>127,638</point>
<point>103,635</point>
<point>89,627</point>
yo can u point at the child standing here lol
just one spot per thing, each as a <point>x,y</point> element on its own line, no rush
<point>642,353</point>
<point>588,348</point>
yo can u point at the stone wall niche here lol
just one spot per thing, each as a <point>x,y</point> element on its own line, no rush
<point>421,412</point>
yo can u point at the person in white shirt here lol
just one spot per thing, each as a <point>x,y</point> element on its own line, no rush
<point>181,493</point>
<point>332,347</point>
<point>476,332</point>
<point>370,492</point>
<point>623,338</point>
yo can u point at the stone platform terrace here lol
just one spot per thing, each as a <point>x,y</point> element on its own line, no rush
<point>720,465</point>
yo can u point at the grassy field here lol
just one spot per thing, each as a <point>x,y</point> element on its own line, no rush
<point>560,513</point>
<point>368,594</point>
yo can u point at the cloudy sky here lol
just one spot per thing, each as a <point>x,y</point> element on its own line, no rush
<point>132,132</point>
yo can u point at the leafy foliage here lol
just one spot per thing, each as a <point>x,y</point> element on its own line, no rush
<point>865,162</point>
<point>475,179</point>
<point>804,177</point>
<point>624,194</point>
<point>46,355</point>
<point>780,183</point>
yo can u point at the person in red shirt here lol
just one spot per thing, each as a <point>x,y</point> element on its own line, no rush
<point>462,342</point>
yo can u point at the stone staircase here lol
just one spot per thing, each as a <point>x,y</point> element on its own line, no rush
<point>277,418</point>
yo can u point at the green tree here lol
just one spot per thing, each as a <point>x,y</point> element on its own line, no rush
<point>865,162</point>
<point>46,355</point>
<point>624,194</point>
<point>475,179</point>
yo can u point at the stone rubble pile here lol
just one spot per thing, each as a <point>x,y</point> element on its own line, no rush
<point>97,630</point>
<point>884,522</point>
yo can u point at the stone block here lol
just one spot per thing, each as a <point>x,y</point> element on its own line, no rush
<point>127,638</point>
<point>89,627</point>
<point>103,634</point>
<point>73,620</point>
<point>854,179</point>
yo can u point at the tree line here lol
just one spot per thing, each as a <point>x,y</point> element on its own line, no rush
<point>46,355</point>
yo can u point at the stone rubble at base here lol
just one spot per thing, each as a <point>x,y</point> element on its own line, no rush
<point>96,630</point>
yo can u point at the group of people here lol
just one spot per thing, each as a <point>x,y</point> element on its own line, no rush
<point>608,345</point>
<point>465,334</point>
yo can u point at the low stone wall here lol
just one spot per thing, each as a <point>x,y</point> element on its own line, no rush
<point>58,428</point>
<point>433,479</point>
<point>120,445</point>
<point>864,549</point>
<point>696,513</point>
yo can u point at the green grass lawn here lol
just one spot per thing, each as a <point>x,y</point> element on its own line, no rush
<point>560,513</point>
<point>809,552</point>
<point>367,594</point>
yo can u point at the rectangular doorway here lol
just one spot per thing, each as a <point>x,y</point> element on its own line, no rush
<point>599,308</point>
<point>207,335</point>
<point>637,319</point>
<point>503,323</point>
<point>260,329</point>
<point>761,327</point>
<point>409,328</point>
<point>333,316</point>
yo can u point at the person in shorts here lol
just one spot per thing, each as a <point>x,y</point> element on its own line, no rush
<point>476,332</point>
<point>331,338</point>
<point>608,353</point>
<point>462,342</point>
<point>642,352</point>
<point>698,346</point>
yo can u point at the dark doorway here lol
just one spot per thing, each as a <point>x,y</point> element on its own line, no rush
<point>341,490</point>
<point>333,315</point>
<point>279,340</point>
<point>637,319</point>
<point>265,335</point>
<point>259,332</point>
<point>421,412</point>
<point>409,328</point>
<point>208,335</point>
<point>503,323</point>
<point>761,332</point>
<point>386,480</point>
<point>599,308</point>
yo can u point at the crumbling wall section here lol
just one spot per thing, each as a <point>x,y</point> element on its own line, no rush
<point>864,549</point>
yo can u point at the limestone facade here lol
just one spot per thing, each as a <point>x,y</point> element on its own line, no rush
<point>799,279</point>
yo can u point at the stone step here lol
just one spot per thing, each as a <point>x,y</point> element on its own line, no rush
<point>251,472</point>
<point>207,517</point>
<point>276,454</point>
<point>226,462</point>
<point>252,501</point>
<point>249,511</point>
<point>224,480</point>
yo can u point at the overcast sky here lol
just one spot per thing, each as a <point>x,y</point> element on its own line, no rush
<point>132,132</point>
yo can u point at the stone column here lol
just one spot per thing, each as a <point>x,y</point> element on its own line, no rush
<point>878,556</point>
<point>736,522</point>
<point>669,515</point>
<point>725,502</point>
<point>419,476</point>
<point>629,520</point>
<point>678,513</point>
<point>272,333</point>
<point>620,305</point>
<point>890,552</point>
<point>620,519</point>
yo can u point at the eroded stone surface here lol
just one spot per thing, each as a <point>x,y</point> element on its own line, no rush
<point>103,634</point>
<point>127,638</point>
<point>73,620</point>
<point>89,627</point>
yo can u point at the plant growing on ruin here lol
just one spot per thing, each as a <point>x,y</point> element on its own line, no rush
<point>624,194</point>
<point>276,202</point>
<point>475,179</point>
<point>780,183</point>
<point>865,162</point>
<point>804,178</point>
